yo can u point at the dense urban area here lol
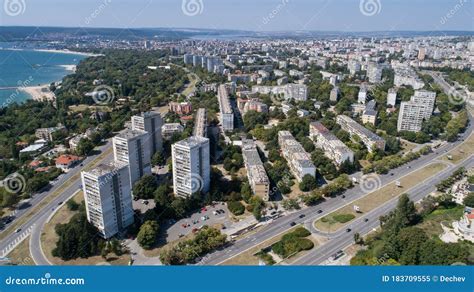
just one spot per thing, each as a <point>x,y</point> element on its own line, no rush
<point>331,150</point>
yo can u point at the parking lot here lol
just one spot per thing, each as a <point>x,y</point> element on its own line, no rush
<point>209,215</point>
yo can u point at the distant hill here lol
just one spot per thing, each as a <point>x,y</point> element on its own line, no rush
<point>29,33</point>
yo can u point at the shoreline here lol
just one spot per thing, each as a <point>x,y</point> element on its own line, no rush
<point>55,51</point>
<point>39,92</point>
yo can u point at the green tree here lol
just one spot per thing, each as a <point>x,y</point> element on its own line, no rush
<point>308,183</point>
<point>469,200</point>
<point>145,187</point>
<point>84,147</point>
<point>147,235</point>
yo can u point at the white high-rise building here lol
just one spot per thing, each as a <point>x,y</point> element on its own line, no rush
<point>150,122</point>
<point>411,116</point>
<point>191,166</point>
<point>108,197</point>
<point>133,147</point>
<point>414,112</point>
<point>426,98</point>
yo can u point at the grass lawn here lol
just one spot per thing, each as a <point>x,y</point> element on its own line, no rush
<point>408,146</point>
<point>377,198</point>
<point>461,152</point>
<point>431,223</point>
<point>49,239</point>
<point>20,255</point>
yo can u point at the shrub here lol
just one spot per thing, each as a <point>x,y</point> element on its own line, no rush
<point>343,218</point>
<point>236,207</point>
<point>301,232</point>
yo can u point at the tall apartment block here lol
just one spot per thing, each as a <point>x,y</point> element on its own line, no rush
<point>427,98</point>
<point>333,148</point>
<point>256,173</point>
<point>371,140</point>
<point>191,166</point>
<point>226,112</point>
<point>150,122</point>
<point>299,161</point>
<point>414,112</point>
<point>200,123</point>
<point>107,197</point>
<point>133,147</point>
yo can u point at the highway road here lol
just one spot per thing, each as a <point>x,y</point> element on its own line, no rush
<point>68,183</point>
<point>280,225</point>
<point>343,239</point>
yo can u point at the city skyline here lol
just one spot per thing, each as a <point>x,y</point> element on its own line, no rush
<point>271,16</point>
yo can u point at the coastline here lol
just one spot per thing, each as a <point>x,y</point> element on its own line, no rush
<point>39,93</point>
<point>55,51</point>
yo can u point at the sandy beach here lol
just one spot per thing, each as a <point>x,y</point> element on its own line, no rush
<point>68,52</point>
<point>71,68</point>
<point>56,51</point>
<point>39,93</point>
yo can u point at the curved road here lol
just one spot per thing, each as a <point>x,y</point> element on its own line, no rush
<point>281,225</point>
<point>35,223</point>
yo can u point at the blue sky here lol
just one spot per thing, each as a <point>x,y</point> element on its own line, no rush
<point>257,15</point>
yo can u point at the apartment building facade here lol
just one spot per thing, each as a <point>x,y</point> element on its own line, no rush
<point>108,199</point>
<point>191,166</point>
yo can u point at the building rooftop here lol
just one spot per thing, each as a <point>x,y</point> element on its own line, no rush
<point>192,141</point>
<point>107,168</point>
<point>130,134</point>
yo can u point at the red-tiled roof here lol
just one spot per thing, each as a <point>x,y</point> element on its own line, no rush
<point>67,159</point>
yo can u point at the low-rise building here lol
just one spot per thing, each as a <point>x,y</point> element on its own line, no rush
<point>369,115</point>
<point>371,140</point>
<point>298,160</point>
<point>256,173</point>
<point>47,133</point>
<point>333,148</point>
<point>200,123</point>
<point>226,112</point>
<point>66,162</point>
<point>297,92</point>
<point>169,129</point>
<point>180,108</point>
